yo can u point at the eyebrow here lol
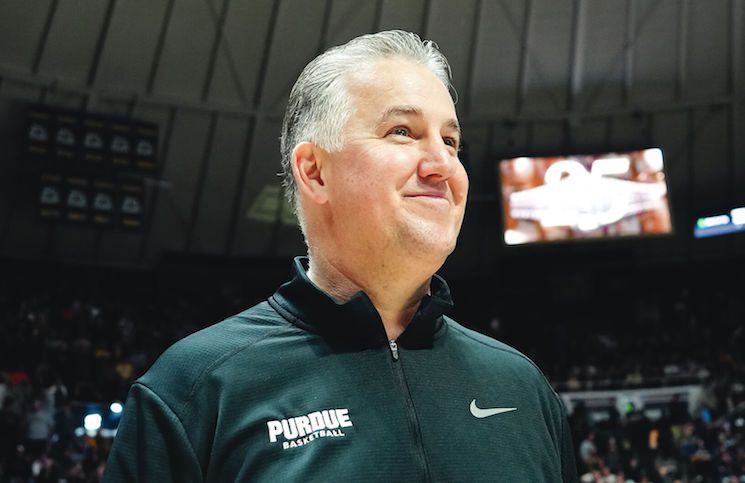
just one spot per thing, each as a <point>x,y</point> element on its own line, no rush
<point>413,111</point>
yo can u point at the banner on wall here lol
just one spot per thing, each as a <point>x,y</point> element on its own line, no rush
<point>98,202</point>
<point>103,204</point>
<point>77,203</point>
<point>91,142</point>
<point>131,205</point>
<point>92,168</point>
<point>50,197</point>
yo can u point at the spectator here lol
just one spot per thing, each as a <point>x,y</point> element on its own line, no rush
<point>588,452</point>
<point>40,427</point>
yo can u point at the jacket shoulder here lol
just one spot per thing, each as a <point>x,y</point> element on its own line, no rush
<point>180,369</point>
<point>484,342</point>
<point>495,351</point>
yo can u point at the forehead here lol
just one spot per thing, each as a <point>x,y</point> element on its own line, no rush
<point>377,87</point>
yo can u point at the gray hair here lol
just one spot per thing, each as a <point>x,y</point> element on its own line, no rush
<point>319,107</point>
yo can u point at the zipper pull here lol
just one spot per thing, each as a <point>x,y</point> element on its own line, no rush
<point>394,349</point>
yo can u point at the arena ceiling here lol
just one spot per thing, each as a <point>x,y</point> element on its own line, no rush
<point>532,76</point>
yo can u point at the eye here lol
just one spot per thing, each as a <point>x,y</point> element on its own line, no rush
<point>400,131</point>
<point>452,142</point>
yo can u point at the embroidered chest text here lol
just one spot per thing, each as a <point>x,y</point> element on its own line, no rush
<point>301,430</point>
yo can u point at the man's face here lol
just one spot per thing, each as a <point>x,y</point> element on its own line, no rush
<point>397,186</point>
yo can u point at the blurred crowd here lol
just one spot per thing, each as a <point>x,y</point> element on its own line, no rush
<point>657,331</point>
<point>66,345</point>
<point>657,337</point>
<point>702,444</point>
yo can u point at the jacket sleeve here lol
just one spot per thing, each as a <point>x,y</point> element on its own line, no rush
<point>151,443</point>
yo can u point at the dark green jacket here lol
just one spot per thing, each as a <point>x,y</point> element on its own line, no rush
<point>300,388</point>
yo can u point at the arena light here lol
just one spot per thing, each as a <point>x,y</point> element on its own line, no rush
<point>116,407</point>
<point>92,422</point>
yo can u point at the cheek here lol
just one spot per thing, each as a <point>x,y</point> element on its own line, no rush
<point>371,174</point>
<point>378,180</point>
<point>357,197</point>
<point>459,184</point>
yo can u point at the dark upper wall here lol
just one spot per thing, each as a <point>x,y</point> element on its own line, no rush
<point>532,76</point>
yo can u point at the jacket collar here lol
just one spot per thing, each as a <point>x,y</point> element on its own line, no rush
<point>356,324</point>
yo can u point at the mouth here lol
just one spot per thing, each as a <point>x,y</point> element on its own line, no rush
<point>434,195</point>
<point>432,200</point>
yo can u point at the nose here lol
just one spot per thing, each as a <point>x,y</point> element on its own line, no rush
<point>437,162</point>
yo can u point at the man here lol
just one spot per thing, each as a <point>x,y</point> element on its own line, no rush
<point>350,371</point>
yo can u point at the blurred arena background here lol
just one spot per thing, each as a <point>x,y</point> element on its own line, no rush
<point>139,202</point>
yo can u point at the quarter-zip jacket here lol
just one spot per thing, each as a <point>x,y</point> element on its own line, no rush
<point>300,387</point>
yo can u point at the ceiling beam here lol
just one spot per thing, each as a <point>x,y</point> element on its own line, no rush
<point>257,104</point>
<point>522,75</point>
<point>41,46</point>
<point>100,43</point>
<point>682,67</point>
<point>576,53</point>
<point>628,50</point>
<point>159,48</point>
<point>219,21</point>
<point>477,16</point>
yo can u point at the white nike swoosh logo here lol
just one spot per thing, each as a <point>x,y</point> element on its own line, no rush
<point>485,413</point>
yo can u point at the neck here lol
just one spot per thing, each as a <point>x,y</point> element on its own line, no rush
<point>395,295</point>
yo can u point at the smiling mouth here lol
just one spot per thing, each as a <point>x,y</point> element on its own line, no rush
<point>435,196</point>
<point>430,199</point>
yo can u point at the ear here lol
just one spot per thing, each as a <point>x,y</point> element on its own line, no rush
<point>307,168</point>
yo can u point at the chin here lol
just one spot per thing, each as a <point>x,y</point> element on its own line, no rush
<point>428,240</point>
<point>434,248</point>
